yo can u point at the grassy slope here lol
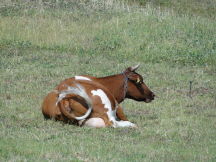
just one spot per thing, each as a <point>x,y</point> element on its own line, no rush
<point>44,44</point>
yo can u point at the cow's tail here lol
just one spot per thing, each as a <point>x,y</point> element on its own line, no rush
<point>80,91</point>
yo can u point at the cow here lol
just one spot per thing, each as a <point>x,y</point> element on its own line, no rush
<point>95,102</point>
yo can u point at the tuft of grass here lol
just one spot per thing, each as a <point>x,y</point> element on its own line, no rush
<point>42,43</point>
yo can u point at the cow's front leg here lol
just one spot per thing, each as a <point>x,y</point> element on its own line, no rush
<point>125,124</point>
<point>123,119</point>
<point>120,114</point>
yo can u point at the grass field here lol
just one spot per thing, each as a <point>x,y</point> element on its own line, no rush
<point>44,42</point>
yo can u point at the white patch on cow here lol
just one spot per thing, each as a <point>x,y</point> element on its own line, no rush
<point>82,78</point>
<point>107,104</point>
<point>110,113</point>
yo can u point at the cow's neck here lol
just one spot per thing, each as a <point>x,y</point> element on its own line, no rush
<point>116,85</point>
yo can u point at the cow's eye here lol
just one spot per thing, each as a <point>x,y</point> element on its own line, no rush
<point>139,81</point>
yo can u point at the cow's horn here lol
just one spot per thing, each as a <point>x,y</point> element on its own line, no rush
<point>133,68</point>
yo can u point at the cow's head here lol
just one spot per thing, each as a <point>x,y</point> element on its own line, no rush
<point>136,88</point>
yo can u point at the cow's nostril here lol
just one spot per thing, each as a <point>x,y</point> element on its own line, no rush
<point>153,95</point>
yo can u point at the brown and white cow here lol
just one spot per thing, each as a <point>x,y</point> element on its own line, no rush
<point>91,101</point>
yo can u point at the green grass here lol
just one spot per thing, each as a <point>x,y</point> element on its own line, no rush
<point>43,43</point>
<point>205,8</point>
